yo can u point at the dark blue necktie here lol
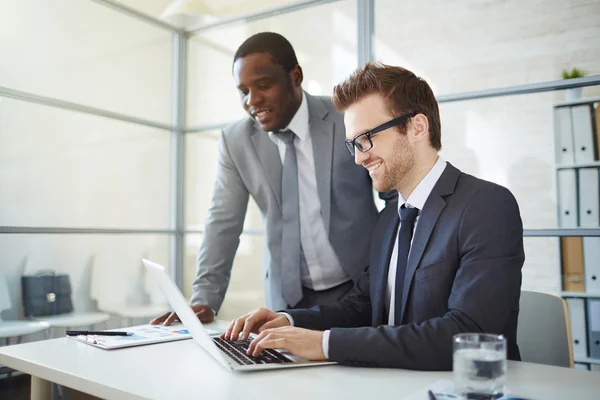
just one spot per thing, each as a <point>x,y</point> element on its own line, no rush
<point>407,225</point>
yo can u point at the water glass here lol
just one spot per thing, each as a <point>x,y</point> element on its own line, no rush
<point>479,365</point>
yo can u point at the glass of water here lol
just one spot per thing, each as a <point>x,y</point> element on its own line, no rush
<point>479,365</point>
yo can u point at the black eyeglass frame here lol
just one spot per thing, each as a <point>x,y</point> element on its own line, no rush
<point>352,144</point>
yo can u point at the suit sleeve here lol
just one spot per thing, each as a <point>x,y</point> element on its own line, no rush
<point>485,288</point>
<point>352,311</point>
<point>223,227</point>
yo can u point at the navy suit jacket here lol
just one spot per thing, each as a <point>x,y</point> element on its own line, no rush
<point>463,275</point>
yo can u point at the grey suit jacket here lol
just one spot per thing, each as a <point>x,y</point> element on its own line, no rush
<point>249,164</point>
<point>463,275</point>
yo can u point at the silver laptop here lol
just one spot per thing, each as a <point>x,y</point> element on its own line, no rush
<point>230,354</point>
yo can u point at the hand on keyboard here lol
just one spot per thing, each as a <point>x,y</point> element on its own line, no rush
<point>300,342</point>
<point>254,322</point>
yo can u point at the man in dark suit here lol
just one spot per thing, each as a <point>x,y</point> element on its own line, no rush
<point>460,272</point>
<point>312,204</point>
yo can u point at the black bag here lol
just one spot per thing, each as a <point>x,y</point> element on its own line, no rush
<point>46,293</point>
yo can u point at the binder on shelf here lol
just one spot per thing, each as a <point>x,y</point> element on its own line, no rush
<point>593,313</point>
<point>591,263</point>
<point>571,252</point>
<point>567,198</point>
<point>581,366</point>
<point>589,197</point>
<point>583,134</point>
<point>563,136</point>
<point>578,330</point>
<point>597,112</point>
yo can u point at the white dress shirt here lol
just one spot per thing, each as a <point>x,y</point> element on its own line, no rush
<point>322,269</point>
<point>416,199</point>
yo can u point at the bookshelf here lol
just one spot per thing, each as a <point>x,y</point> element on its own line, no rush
<point>577,151</point>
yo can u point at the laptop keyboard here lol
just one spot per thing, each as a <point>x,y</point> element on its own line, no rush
<point>237,351</point>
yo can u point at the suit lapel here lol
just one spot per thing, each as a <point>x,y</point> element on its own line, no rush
<point>268,154</point>
<point>380,266</point>
<point>322,138</point>
<point>432,209</point>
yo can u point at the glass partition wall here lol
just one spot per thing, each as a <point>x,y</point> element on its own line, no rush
<point>109,121</point>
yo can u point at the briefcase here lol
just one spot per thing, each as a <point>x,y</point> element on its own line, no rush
<point>46,293</point>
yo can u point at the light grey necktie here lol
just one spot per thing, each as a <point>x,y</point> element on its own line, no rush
<point>291,251</point>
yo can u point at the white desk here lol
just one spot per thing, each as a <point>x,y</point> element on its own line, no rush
<point>182,370</point>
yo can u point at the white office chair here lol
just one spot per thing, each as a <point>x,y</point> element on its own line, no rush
<point>18,329</point>
<point>544,334</point>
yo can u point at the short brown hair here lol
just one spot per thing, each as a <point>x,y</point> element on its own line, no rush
<point>403,91</point>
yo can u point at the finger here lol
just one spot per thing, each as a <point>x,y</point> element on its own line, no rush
<point>240,323</point>
<point>172,318</point>
<point>160,319</point>
<point>255,342</point>
<point>248,326</point>
<point>276,323</point>
<point>229,330</point>
<point>275,343</point>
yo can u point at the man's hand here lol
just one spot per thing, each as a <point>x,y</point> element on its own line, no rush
<point>204,314</point>
<point>255,321</point>
<point>300,342</point>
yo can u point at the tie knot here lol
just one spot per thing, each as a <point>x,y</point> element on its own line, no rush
<point>286,136</point>
<point>408,214</point>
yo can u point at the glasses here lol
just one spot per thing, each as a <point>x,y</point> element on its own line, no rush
<point>363,141</point>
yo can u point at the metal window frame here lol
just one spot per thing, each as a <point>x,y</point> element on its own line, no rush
<point>178,128</point>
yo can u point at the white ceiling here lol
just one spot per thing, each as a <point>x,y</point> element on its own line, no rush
<point>218,8</point>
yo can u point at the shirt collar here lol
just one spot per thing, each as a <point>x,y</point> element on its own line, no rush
<point>419,196</point>
<point>299,123</point>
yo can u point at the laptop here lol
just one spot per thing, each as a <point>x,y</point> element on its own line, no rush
<point>230,354</point>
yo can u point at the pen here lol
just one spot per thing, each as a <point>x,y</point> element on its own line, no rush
<point>431,395</point>
<point>99,333</point>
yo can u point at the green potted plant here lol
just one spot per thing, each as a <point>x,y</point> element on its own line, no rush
<point>573,93</point>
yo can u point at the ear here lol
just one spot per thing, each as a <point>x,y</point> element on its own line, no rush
<point>419,128</point>
<point>296,76</point>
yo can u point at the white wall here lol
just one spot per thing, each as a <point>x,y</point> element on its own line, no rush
<point>60,168</point>
<point>474,45</point>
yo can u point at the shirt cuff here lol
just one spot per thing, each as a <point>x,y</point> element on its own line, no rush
<point>325,343</point>
<point>288,316</point>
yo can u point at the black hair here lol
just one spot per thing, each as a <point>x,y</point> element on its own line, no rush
<point>269,42</point>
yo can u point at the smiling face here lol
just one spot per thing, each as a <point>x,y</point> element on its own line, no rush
<point>392,157</point>
<point>268,93</point>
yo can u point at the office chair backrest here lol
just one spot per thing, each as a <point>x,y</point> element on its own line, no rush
<point>5,302</point>
<point>543,334</point>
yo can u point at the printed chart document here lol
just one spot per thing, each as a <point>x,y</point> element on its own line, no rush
<point>140,335</point>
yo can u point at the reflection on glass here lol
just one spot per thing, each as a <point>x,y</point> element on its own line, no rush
<point>105,270</point>
<point>218,9</point>
<point>245,290</point>
<point>327,55</point>
<point>200,173</point>
<point>87,53</point>
<point>67,169</point>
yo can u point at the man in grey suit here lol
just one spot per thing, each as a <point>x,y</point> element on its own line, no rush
<point>461,272</point>
<point>313,199</point>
